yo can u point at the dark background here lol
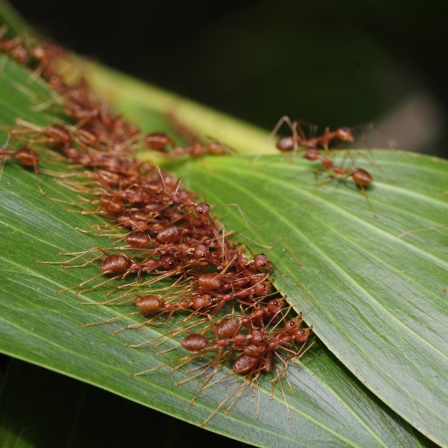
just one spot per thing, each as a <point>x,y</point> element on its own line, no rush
<point>332,63</point>
<point>328,62</point>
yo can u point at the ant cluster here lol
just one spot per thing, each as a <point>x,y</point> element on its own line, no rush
<point>225,293</point>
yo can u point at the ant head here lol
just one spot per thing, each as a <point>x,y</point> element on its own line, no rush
<point>202,209</point>
<point>168,261</point>
<point>262,289</point>
<point>275,305</point>
<point>261,262</point>
<point>345,135</point>
<point>302,335</point>
<point>258,337</point>
<point>293,325</point>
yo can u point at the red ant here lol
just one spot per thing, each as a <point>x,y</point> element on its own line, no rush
<point>197,149</point>
<point>298,137</point>
<point>179,197</point>
<point>361,177</point>
<point>112,264</point>
<point>54,135</point>
<point>15,47</point>
<point>158,141</point>
<point>26,156</point>
<point>148,304</point>
<point>159,306</point>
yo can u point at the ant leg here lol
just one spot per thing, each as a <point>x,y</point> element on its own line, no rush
<point>98,284</point>
<point>234,396</point>
<point>283,120</point>
<point>279,380</point>
<point>63,263</point>
<point>246,219</point>
<point>78,255</point>
<point>166,336</point>
<point>112,319</point>
<point>59,291</point>
<point>364,192</point>
<point>420,230</point>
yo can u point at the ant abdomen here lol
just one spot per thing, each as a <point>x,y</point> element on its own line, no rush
<point>362,177</point>
<point>209,281</point>
<point>115,263</point>
<point>27,157</point>
<point>194,342</point>
<point>200,301</point>
<point>344,134</point>
<point>138,239</point>
<point>227,328</point>
<point>158,141</point>
<point>149,304</point>
<point>244,364</point>
<point>112,204</point>
<point>285,144</point>
<point>169,235</point>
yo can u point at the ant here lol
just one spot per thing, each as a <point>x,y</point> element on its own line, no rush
<point>147,304</point>
<point>299,139</point>
<point>360,176</point>
<point>197,148</point>
<point>26,156</point>
<point>112,264</point>
<point>15,47</point>
<point>54,135</point>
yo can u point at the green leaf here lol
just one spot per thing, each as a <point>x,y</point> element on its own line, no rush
<point>375,286</point>
<point>329,406</point>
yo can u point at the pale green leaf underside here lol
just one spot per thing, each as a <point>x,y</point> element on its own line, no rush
<point>329,406</point>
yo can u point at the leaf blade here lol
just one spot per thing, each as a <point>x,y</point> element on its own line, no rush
<point>47,331</point>
<point>386,319</point>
